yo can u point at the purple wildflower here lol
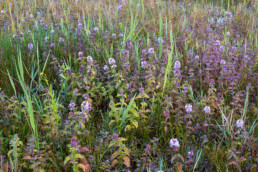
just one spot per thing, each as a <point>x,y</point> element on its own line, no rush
<point>177,65</point>
<point>85,106</point>
<point>89,59</point>
<point>174,143</point>
<point>113,66</point>
<point>30,46</point>
<point>240,123</point>
<point>105,68</point>
<point>114,35</point>
<point>72,106</point>
<point>188,108</point>
<point>111,61</point>
<point>151,51</point>
<point>190,154</point>
<point>61,39</point>
<point>115,136</point>
<point>143,64</point>
<point>207,109</point>
<point>96,29</point>
<point>222,62</point>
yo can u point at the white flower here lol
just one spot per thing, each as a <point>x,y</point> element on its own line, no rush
<point>240,123</point>
<point>113,66</point>
<point>85,106</point>
<point>111,61</point>
<point>188,108</point>
<point>174,143</point>
<point>207,109</point>
<point>89,59</point>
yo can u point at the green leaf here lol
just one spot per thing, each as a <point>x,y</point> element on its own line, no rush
<point>79,156</point>
<point>68,158</point>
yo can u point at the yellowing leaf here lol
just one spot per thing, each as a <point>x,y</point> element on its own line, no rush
<point>126,161</point>
<point>67,159</point>
<point>78,156</point>
<point>135,123</point>
<point>114,163</point>
<point>114,155</point>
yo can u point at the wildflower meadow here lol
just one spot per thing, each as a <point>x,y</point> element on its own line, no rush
<point>128,85</point>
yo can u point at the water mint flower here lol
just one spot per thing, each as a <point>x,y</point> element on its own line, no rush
<point>115,136</point>
<point>207,109</point>
<point>228,33</point>
<point>105,68</point>
<point>30,46</point>
<point>143,64</point>
<point>196,57</point>
<point>89,59</point>
<point>113,66</point>
<point>111,61</point>
<point>190,154</point>
<point>160,40</point>
<point>188,108</point>
<point>96,29</point>
<point>222,62</point>
<point>52,31</point>
<point>46,39</point>
<point>174,143</point>
<point>85,106</point>
<point>151,51</point>
<point>72,106</point>
<point>177,65</point>
<point>61,40</point>
<point>114,35</point>
<point>240,123</point>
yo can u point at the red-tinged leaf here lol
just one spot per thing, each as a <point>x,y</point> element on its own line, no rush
<point>27,157</point>
<point>148,110</point>
<point>84,149</point>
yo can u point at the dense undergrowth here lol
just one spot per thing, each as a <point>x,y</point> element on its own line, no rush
<point>128,85</point>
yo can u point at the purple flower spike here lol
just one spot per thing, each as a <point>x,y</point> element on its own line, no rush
<point>30,46</point>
